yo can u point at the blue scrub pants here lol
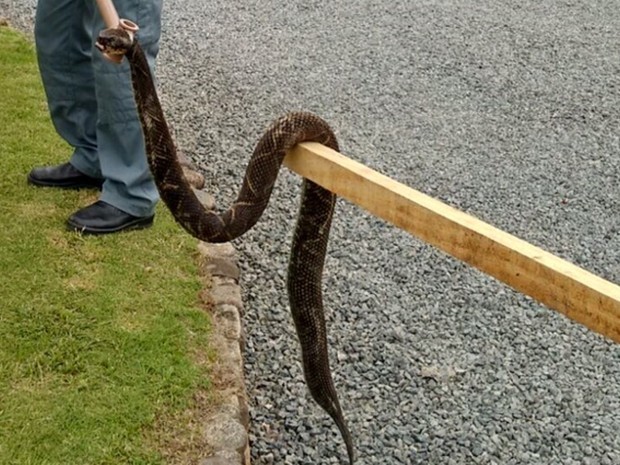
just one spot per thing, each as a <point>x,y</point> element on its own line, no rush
<point>91,100</point>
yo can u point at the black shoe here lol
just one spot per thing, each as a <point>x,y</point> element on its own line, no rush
<point>64,176</point>
<point>103,218</point>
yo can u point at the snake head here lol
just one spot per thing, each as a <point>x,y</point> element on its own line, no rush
<point>114,41</point>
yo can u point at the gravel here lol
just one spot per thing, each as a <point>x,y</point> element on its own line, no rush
<point>506,110</point>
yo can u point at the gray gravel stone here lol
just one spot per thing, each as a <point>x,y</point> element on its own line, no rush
<point>506,110</point>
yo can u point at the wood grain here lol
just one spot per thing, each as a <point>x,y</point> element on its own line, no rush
<point>560,285</point>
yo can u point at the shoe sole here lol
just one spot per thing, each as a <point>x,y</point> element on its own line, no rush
<point>71,186</point>
<point>140,223</point>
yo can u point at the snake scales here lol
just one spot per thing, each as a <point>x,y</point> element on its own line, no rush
<point>313,224</point>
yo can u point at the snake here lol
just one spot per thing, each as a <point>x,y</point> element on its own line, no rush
<point>310,238</point>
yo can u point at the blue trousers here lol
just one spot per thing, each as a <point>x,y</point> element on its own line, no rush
<point>91,100</point>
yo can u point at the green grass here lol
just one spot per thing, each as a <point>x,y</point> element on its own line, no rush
<point>99,336</point>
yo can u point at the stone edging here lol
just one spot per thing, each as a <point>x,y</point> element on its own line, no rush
<point>226,427</point>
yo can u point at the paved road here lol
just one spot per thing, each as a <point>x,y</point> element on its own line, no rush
<point>507,110</point>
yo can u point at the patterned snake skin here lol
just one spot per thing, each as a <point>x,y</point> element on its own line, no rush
<point>311,233</point>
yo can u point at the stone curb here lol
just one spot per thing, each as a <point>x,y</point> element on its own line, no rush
<point>226,427</point>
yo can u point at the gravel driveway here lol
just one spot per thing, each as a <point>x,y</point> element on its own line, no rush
<point>506,110</point>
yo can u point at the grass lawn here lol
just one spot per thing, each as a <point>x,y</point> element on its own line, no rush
<point>102,339</point>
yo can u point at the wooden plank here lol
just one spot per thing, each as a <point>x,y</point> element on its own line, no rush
<point>562,286</point>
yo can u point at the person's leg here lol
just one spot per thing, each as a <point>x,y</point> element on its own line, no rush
<point>129,185</point>
<point>63,39</point>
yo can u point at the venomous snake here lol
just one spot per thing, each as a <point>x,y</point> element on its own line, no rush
<point>313,224</point>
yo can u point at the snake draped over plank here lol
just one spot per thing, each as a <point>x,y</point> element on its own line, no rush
<point>311,232</point>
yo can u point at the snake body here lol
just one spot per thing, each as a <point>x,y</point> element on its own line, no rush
<point>311,232</point>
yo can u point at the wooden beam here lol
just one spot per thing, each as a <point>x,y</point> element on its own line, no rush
<point>562,286</point>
